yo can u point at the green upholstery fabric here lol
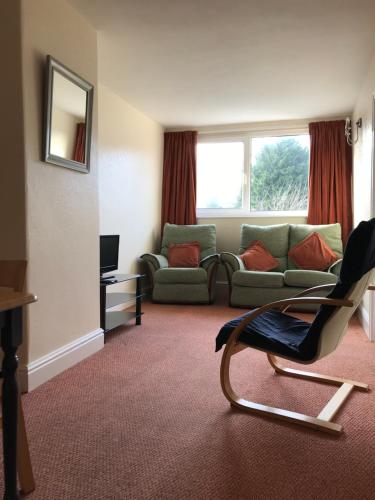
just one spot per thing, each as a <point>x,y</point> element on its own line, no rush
<point>235,263</point>
<point>208,261</point>
<point>331,233</point>
<point>210,265</point>
<point>275,238</point>
<point>204,233</point>
<point>178,293</point>
<point>335,268</point>
<point>306,279</point>
<point>156,261</point>
<point>258,279</point>
<point>248,297</point>
<point>181,275</point>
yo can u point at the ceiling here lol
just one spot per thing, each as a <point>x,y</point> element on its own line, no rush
<point>212,62</point>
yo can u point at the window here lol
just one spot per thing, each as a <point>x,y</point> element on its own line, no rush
<point>220,174</point>
<point>252,175</point>
<point>279,173</point>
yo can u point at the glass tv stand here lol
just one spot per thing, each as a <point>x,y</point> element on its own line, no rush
<point>112,319</point>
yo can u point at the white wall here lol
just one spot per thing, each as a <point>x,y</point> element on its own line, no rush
<point>130,178</point>
<point>362,151</point>
<point>362,160</point>
<point>62,204</point>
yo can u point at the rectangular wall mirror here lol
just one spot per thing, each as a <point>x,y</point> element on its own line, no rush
<point>68,118</point>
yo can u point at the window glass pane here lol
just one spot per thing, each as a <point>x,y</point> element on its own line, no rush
<point>220,174</point>
<point>279,173</point>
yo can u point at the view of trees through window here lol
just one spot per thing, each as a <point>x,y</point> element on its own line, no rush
<point>276,173</point>
<point>279,173</point>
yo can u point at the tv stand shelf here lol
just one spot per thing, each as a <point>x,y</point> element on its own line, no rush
<point>112,319</point>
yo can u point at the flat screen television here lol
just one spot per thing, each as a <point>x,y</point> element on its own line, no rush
<point>109,245</point>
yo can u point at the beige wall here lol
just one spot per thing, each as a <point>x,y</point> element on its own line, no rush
<point>12,168</point>
<point>62,204</point>
<point>130,176</point>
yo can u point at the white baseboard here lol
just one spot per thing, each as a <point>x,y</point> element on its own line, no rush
<point>363,317</point>
<point>43,369</point>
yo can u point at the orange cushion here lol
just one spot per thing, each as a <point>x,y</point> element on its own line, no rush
<point>258,258</point>
<point>184,254</point>
<point>312,253</point>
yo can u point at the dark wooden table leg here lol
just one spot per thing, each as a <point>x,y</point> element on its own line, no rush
<point>11,338</point>
<point>138,303</point>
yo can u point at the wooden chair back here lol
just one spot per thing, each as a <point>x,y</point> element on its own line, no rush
<point>12,274</point>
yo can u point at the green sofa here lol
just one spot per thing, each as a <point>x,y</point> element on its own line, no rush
<point>176,285</point>
<point>254,288</point>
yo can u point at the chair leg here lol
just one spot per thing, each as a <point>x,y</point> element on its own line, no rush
<point>322,422</point>
<point>317,377</point>
<point>24,467</point>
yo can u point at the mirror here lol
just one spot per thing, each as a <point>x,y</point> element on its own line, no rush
<point>68,118</point>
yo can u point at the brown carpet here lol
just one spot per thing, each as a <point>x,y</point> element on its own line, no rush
<point>145,419</point>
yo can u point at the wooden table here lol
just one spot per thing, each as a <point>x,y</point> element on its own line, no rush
<point>11,304</point>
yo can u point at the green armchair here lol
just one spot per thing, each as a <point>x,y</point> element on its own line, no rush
<point>177,285</point>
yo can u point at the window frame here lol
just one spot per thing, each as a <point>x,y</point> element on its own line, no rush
<point>246,137</point>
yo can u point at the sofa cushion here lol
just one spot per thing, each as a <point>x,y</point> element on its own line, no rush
<point>275,238</point>
<point>306,279</point>
<point>184,254</point>
<point>204,233</point>
<point>331,234</point>
<point>258,258</point>
<point>250,297</point>
<point>181,275</point>
<point>312,253</point>
<point>258,279</point>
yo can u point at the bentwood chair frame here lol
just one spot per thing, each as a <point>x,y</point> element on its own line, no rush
<point>330,336</point>
<point>12,275</point>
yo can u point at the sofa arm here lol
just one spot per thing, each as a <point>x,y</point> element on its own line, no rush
<point>210,264</point>
<point>335,267</point>
<point>157,261</point>
<point>234,261</point>
<point>154,262</point>
<point>208,261</point>
<point>231,263</point>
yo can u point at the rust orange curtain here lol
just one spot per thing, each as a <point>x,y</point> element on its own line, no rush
<point>179,178</point>
<point>79,147</point>
<point>330,178</point>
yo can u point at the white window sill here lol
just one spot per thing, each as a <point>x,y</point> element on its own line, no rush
<point>238,214</point>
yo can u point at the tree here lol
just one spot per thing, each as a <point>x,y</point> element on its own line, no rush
<point>279,177</point>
